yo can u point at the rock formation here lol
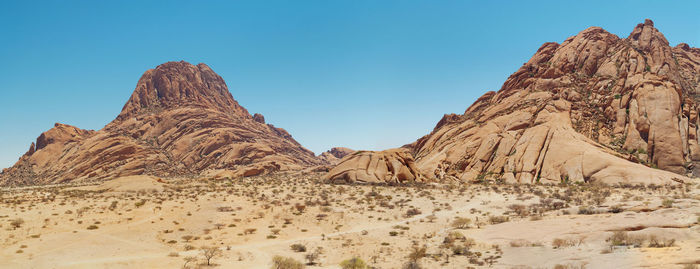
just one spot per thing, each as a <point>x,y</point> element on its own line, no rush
<point>593,108</point>
<point>334,155</point>
<point>180,120</point>
<point>389,166</point>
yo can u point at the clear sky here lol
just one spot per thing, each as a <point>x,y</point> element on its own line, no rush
<point>362,74</point>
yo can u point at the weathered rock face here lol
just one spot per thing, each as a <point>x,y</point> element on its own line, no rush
<point>594,108</point>
<point>389,166</point>
<point>334,155</point>
<point>180,120</point>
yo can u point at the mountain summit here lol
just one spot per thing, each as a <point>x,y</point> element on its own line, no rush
<point>594,108</point>
<point>178,84</point>
<point>180,120</point>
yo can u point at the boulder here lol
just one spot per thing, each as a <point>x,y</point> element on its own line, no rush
<point>389,166</point>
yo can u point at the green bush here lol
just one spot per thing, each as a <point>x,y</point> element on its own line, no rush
<point>354,263</point>
<point>279,262</point>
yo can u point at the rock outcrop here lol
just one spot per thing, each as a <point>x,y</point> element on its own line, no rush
<point>334,155</point>
<point>593,108</point>
<point>389,166</point>
<point>180,120</point>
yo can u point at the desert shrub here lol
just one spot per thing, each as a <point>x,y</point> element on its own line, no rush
<point>585,210</point>
<point>393,233</point>
<point>92,227</point>
<point>452,237</point>
<point>560,243</point>
<point>298,247</point>
<point>188,259</point>
<point>464,248</point>
<point>655,242</point>
<point>459,250</point>
<point>312,257</point>
<point>224,209</point>
<point>279,262</point>
<point>520,210</point>
<point>616,209</point>
<point>113,205</point>
<point>622,238</point>
<point>412,212</point>
<point>299,207</point>
<point>354,263</point>
<point>667,203</point>
<point>412,265</point>
<point>461,223</point>
<point>498,219</point>
<point>210,252</point>
<point>16,223</point>
<point>417,253</point>
<point>521,243</point>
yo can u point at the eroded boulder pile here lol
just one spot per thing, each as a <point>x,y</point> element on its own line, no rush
<point>594,108</point>
<point>334,155</point>
<point>389,166</point>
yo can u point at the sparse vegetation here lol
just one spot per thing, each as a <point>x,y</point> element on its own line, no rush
<point>279,262</point>
<point>353,263</point>
<point>381,220</point>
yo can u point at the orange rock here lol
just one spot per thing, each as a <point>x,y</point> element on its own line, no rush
<point>578,111</point>
<point>389,166</point>
<point>575,112</point>
<point>180,120</point>
<point>334,155</point>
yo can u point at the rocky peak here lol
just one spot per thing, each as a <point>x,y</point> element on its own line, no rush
<point>647,38</point>
<point>60,133</point>
<point>180,120</point>
<point>178,84</point>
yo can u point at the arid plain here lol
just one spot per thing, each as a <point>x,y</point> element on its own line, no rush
<point>148,222</point>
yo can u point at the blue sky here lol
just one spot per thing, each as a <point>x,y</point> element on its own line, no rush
<point>361,74</point>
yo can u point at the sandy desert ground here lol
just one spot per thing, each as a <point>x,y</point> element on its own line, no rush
<point>146,222</point>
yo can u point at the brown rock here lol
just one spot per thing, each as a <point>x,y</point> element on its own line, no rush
<point>259,118</point>
<point>180,120</point>
<point>389,166</point>
<point>334,155</point>
<point>578,111</point>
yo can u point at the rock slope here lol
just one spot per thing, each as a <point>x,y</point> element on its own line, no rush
<point>593,108</point>
<point>180,120</point>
